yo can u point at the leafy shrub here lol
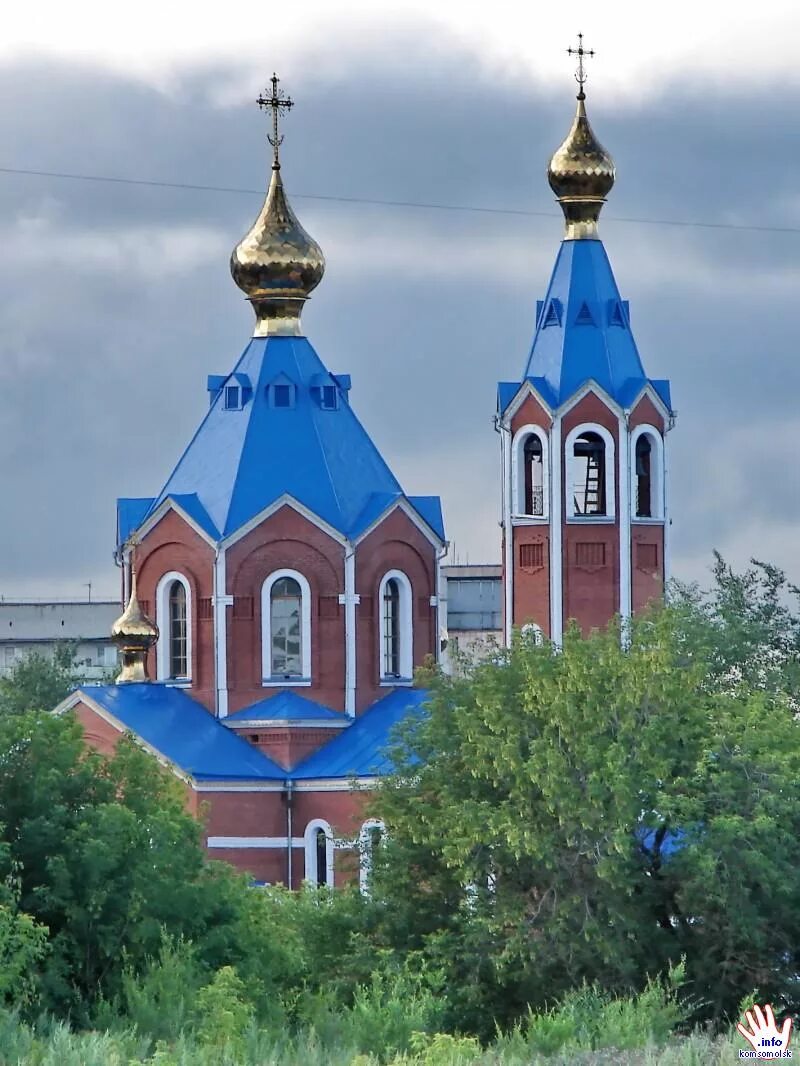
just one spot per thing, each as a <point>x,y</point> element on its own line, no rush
<point>223,1013</point>
<point>384,1015</point>
<point>158,1002</point>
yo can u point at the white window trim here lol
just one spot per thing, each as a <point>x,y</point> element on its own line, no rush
<point>268,679</point>
<point>518,473</point>
<point>310,843</point>
<point>406,629</point>
<point>610,468</point>
<point>162,621</point>
<point>656,473</point>
<point>239,396</point>
<point>365,852</point>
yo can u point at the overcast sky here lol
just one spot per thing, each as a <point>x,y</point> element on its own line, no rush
<point>116,301</point>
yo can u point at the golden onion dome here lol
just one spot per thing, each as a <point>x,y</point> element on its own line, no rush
<point>276,264</point>
<point>581,174</point>
<point>134,634</point>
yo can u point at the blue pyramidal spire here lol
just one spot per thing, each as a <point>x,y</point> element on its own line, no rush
<point>583,330</point>
<point>281,425</point>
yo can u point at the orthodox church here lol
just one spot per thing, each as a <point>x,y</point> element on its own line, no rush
<point>281,587</point>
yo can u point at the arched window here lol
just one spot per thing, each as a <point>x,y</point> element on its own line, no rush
<point>529,472</point>
<point>178,631</point>
<point>590,472</point>
<point>286,628</point>
<point>321,847</point>
<point>318,841</point>
<point>391,628</point>
<point>174,620</point>
<point>370,838</point>
<point>644,506</point>
<point>285,608</point>
<point>647,473</point>
<point>396,628</point>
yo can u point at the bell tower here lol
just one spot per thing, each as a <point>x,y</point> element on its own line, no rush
<point>585,513</point>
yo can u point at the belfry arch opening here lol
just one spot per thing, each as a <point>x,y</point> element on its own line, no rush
<point>589,474</point>
<point>533,474</point>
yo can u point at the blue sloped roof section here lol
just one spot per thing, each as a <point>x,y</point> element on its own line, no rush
<point>430,510</point>
<point>240,462</point>
<point>191,504</point>
<point>178,727</point>
<point>583,330</point>
<point>376,505</point>
<point>507,390</point>
<point>360,751</point>
<point>662,387</point>
<point>130,514</point>
<point>286,706</point>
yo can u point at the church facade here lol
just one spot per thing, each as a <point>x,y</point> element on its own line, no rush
<point>281,588</point>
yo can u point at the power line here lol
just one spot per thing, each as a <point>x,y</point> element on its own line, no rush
<point>412,204</point>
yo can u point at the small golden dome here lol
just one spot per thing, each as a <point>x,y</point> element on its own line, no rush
<point>134,634</point>
<point>277,264</point>
<point>581,174</point>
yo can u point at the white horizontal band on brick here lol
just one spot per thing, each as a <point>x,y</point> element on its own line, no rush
<point>268,842</point>
<point>253,842</point>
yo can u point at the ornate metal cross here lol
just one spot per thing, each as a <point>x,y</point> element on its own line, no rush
<point>580,73</point>
<point>279,104</point>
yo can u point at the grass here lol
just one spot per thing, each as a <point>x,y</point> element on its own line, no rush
<point>390,1022</point>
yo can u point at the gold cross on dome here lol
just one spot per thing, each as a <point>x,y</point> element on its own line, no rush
<point>279,104</point>
<point>580,73</point>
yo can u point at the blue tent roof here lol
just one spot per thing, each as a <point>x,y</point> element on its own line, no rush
<point>286,706</point>
<point>360,751</point>
<point>583,332</point>
<point>241,461</point>
<point>181,729</point>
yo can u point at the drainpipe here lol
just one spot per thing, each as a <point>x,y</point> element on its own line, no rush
<point>289,798</point>
<point>350,601</point>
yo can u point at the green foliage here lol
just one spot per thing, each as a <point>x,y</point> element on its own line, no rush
<point>107,858</point>
<point>23,944</point>
<point>533,780</point>
<point>37,682</point>
<point>442,1049</point>
<point>223,1013</point>
<point>158,1001</point>
<point>384,1014</point>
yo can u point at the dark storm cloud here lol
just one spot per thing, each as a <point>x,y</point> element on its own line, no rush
<point>116,300</point>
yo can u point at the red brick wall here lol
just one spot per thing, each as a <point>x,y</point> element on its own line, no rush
<point>286,540</point>
<point>96,730</point>
<point>531,412</point>
<point>532,582</point>
<point>396,544</point>
<point>647,564</point>
<point>172,544</point>
<point>591,590</point>
<point>645,413</point>
<point>287,745</point>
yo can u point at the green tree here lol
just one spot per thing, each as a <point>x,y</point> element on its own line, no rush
<point>38,682</point>
<point>748,624</point>
<point>537,804</point>
<point>106,856</point>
